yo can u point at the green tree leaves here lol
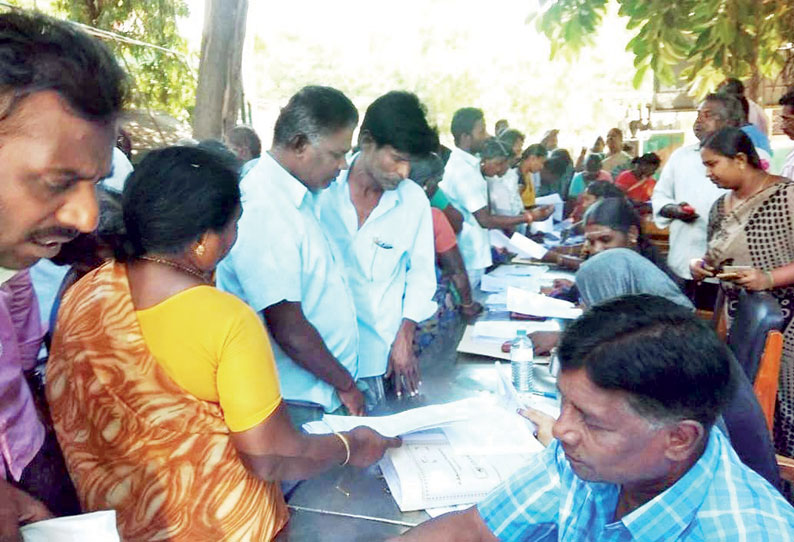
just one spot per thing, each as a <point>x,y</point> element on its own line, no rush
<point>708,39</point>
<point>164,80</point>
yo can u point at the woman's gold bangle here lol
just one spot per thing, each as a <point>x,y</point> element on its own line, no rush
<point>347,447</point>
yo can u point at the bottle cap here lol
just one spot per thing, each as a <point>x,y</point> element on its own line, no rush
<point>521,333</point>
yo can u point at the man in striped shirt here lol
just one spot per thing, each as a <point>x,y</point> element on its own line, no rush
<point>635,455</point>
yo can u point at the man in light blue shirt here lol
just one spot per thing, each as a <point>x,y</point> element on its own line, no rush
<point>467,190</point>
<point>380,222</point>
<point>282,264</point>
<point>636,456</point>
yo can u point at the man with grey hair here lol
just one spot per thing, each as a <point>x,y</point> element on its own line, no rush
<point>283,266</point>
<point>683,196</point>
<point>634,454</point>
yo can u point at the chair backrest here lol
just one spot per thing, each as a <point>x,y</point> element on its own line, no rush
<point>747,428</point>
<point>757,314</point>
<point>766,381</point>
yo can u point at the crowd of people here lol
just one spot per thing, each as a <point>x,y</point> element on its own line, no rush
<point>216,297</point>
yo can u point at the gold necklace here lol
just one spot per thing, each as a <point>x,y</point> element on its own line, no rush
<point>736,200</point>
<point>184,268</point>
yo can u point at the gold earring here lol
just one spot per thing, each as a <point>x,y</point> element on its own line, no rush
<point>199,250</point>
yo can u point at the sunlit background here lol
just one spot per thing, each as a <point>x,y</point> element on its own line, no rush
<point>451,53</point>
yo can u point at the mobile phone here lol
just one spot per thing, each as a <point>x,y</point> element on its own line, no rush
<point>735,268</point>
<point>733,272</point>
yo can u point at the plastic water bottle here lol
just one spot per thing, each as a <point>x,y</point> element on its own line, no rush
<point>522,361</point>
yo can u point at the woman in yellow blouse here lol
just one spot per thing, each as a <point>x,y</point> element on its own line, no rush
<point>163,389</point>
<point>530,163</point>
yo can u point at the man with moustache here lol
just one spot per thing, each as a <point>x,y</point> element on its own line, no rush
<point>635,454</point>
<point>381,224</point>
<point>60,95</point>
<point>283,266</point>
<point>683,196</point>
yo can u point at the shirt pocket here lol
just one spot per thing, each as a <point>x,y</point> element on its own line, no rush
<point>386,259</point>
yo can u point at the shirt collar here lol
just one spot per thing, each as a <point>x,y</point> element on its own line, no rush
<point>668,514</point>
<point>6,274</point>
<point>467,157</point>
<point>389,198</point>
<point>268,173</point>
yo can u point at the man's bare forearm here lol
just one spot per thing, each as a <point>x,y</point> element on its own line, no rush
<point>496,222</point>
<point>304,345</point>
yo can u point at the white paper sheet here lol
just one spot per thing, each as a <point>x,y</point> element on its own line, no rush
<point>499,239</point>
<point>93,527</point>
<point>496,301</point>
<point>492,348</point>
<point>545,226</point>
<point>515,270</point>
<point>495,432</point>
<point>409,421</point>
<point>527,247</point>
<point>552,199</point>
<point>495,283</point>
<point>441,510</point>
<point>506,330</point>
<point>526,302</point>
<point>432,476</point>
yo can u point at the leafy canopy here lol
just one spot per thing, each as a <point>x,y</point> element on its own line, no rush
<point>709,39</point>
<point>163,81</point>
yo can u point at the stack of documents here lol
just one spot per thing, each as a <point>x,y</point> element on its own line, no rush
<point>431,475</point>
<point>452,454</point>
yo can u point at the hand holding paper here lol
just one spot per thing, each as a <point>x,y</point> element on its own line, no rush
<point>526,247</point>
<point>533,304</point>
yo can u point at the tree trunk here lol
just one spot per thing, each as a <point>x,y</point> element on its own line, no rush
<point>219,82</point>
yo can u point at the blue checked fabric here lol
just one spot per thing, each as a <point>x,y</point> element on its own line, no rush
<point>718,499</point>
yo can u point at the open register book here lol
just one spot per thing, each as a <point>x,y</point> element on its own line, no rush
<point>430,474</point>
<point>453,453</point>
<point>433,469</point>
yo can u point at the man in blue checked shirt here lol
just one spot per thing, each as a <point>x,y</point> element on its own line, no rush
<point>635,455</point>
<point>381,224</point>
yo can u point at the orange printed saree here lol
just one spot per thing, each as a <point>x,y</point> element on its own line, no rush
<point>134,441</point>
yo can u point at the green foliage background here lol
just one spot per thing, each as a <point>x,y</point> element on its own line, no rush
<point>711,39</point>
<point>162,81</point>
